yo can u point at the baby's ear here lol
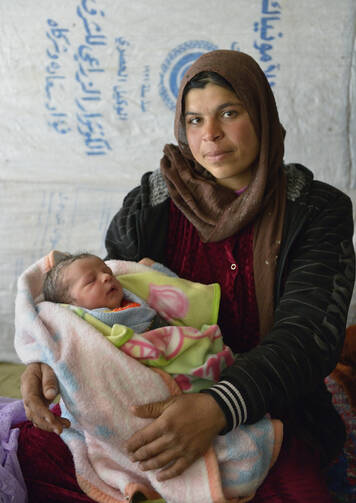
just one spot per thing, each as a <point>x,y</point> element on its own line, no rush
<point>56,256</point>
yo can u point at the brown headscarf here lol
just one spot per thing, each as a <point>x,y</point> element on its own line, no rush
<point>215,211</point>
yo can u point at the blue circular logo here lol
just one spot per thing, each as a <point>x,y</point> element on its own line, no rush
<point>176,64</point>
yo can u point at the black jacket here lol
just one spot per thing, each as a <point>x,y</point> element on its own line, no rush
<point>284,375</point>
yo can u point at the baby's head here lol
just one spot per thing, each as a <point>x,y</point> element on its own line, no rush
<point>84,280</point>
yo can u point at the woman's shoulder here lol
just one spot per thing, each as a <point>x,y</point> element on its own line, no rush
<point>303,188</point>
<point>143,214</point>
<point>158,190</point>
<point>152,191</point>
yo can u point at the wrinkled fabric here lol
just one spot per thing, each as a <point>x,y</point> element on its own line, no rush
<point>49,472</point>
<point>12,484</point>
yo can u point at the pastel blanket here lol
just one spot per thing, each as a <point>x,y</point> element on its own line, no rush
<point>98,383</point>
<point>194,358</point>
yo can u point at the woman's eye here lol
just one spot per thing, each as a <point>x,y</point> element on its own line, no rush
<point>229,113</point>
<point>194,120</point>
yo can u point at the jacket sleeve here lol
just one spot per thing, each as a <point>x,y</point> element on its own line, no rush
<point>304,344</point>
<point>140,227</point>
<point>122,238</point>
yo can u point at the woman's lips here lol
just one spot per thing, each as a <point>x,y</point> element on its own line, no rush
<point>216,156</point>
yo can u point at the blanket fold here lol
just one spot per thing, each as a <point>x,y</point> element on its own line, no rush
<point>98,383</point>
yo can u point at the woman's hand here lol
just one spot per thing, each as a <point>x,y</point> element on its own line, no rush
<point>183,430</point>
<point>39,387</point>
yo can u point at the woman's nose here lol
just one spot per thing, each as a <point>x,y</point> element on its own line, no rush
<point>212,130</point>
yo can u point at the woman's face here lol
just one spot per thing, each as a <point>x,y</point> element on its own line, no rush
<point>220,135</point>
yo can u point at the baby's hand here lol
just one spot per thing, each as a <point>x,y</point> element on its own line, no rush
<point>147,261</point>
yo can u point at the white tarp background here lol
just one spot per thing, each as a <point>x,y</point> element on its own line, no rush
<point>87,92</point>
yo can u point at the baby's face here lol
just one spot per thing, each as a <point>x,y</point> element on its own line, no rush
<point>92,284</point>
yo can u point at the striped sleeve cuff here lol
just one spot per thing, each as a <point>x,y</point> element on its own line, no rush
<point>232,403</point>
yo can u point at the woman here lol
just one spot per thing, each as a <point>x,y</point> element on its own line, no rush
<point>224,208</point>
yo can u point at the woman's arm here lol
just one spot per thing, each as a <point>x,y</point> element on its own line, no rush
<point>290,363</point>
<point>39,387</point>
<point>304,344</point>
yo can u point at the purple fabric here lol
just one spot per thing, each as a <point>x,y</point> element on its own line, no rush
<point>12,485</point>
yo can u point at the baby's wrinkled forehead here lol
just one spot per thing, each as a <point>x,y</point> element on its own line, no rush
<point>81,266</point>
